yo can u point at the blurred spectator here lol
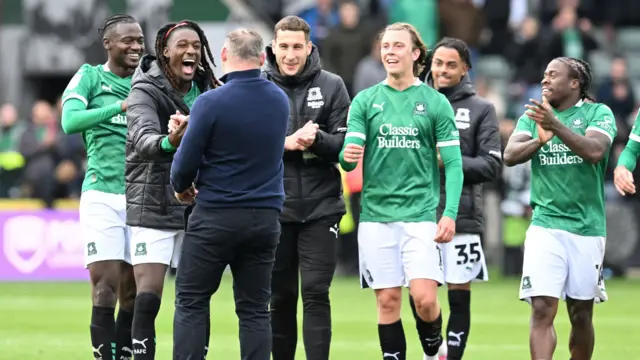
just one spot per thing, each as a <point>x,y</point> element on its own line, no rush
<point>571,37</point>
<point>464,20</point>
<point>503,19</point>
<point>423,14</point>
<point>48,169</point>
<point>485,90</point>
<point>527,59</point>
<point>370,69</point>
<point>346,44</point>
<point>322,18</point>
<point>11,161</point>
<point>616,91</point>
<point>548,10</point>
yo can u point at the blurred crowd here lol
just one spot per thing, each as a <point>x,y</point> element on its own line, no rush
<point>511,40</point>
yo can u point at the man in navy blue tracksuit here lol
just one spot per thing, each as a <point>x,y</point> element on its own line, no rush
<point>234,142</point>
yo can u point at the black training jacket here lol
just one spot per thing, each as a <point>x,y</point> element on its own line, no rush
<point>312,182</point>
<point>481,152</point>
<point>150,198</point>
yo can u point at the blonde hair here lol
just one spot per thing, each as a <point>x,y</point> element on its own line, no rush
<point>417,43</point>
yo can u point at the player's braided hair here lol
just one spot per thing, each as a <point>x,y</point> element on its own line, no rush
<point>206,58</point>
<point>113,20</point>
<point>580,70</point>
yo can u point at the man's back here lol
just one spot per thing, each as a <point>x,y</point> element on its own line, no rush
<point>242,164</point>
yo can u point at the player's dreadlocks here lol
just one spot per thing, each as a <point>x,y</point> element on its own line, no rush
<point>580,70</point>
<point>206,58</point>
<point>113,20</point>
<point>455,44</point>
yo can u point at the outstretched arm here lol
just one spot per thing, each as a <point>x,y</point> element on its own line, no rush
<point>75,99</point>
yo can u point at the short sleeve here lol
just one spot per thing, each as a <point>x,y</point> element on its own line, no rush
<point>446,131</point>
<point>356,122</point>
<point>524,126</point>
<point>603,122</point>
<point>80,85</point>
<point>635,131</point>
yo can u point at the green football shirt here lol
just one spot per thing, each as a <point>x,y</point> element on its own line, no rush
<point>629,156</point>
<point>400,131</point>
<point>567,192</point>
<point>97,87</point>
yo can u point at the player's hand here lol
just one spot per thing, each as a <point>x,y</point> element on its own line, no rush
<point>188,196</point>
<point>544,135</point>
<point>542,113</point>
<point>623,180</point>
<point>175,137</point>
<point>446,230</point>
<point>175,120</point>
<point>291,143</point>
<point>123,105</point>
<point>307,134</point>
<point>353,153</point>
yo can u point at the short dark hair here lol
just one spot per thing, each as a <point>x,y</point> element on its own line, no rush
<point>206,58</point>
<point>455,44</point>
<point>580,70</point>
<point>113,20</point>
<point>292,23</point>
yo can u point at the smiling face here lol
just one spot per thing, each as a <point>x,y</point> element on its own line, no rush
<point>291,49</point>
<point>125,45</point>
<point>397,52</point>
<point>447,68</point>
<point>558,85</point>
<point>184,50</point>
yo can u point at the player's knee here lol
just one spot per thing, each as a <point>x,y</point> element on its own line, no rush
<point>127,298</point>
<point>315,291</point>
<point>542,311</point>
<point>105,293</point>
<point>425,302</point>
<point>580,318</point>
<point>389,301</point>
<point>580,313</point>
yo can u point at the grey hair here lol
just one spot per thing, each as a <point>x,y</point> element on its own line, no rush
<point>244,43</point>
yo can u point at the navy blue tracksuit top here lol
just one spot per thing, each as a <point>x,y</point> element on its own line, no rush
<point>234,143</point>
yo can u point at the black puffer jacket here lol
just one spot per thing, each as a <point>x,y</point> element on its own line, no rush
<point>150,199</point>
<point>481,152</point>
<point>312,182</point>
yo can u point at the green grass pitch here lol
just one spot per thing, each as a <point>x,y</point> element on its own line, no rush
<point>51,321</point>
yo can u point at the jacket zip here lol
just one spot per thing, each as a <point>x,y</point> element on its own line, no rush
<point>296,122</point>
